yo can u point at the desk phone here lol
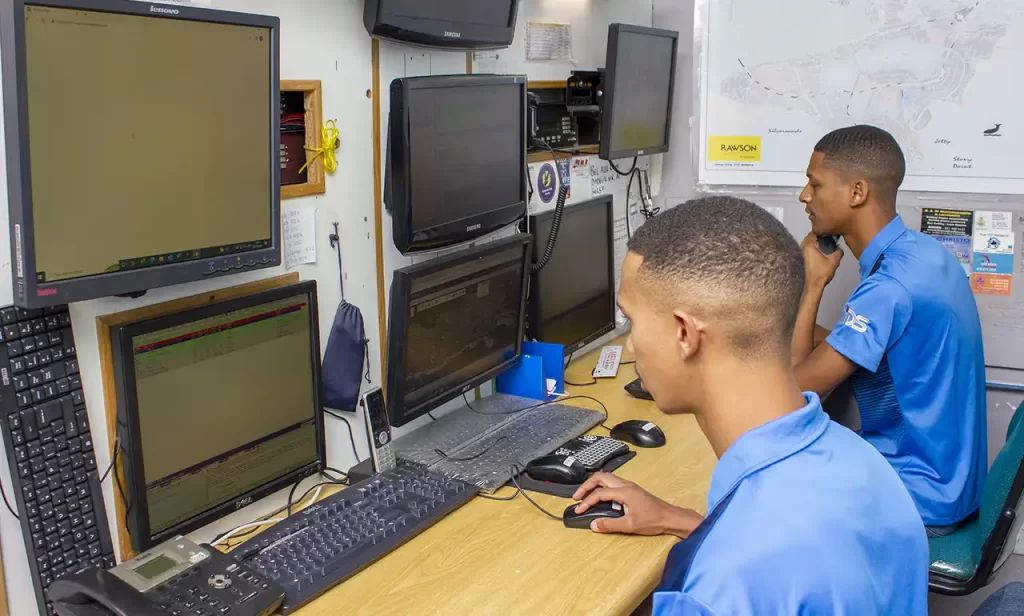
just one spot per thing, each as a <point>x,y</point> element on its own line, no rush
<point>176,578</point>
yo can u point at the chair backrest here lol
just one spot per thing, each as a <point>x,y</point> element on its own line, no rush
<point>1002,491</point>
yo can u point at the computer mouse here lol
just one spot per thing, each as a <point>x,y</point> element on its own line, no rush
<point>557,469</point>
<point>639,433</point>
<point>636,389</point>
<point>604,509</point>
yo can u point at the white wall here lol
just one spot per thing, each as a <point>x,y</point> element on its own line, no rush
<point>320,39</point>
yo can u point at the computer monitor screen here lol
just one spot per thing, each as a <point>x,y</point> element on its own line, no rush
<point>639,80</point>
<point>455,322</point>
<point>458,154</point>
<point>218,406</point>
<point>147,154</point>
<point>572,299</point>
<point>449,24</point>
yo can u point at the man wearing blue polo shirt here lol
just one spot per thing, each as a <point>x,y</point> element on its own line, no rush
<point>910,337</point>
<point>804,516</point>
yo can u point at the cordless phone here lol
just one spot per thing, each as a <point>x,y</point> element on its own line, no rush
<point>827,244</point>
<point>378,430</point>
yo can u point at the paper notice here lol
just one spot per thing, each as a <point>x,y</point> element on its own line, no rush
<point>992,232</point>
<point>581,181</point>
<point>954,229</point>
<point>548,41</point>
<point>299,231</point>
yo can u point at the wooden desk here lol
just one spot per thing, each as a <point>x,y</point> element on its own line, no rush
<point>492,557</point>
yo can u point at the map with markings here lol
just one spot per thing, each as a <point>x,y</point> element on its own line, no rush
<point>943,76</point>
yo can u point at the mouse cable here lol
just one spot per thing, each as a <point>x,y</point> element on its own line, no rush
<point>514,476</point>
<point>351,436</point>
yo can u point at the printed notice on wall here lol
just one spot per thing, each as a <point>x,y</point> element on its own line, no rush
<point>992,265</point>
<point>601,177</point>
<point>299,232</point>
<point>580,188</point>
<point>548,41</point>
<point>953,228</point>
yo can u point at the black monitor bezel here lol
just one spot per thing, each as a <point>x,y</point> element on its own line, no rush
<point>128,431</point>
<point>535,326</point>
<point>398,194</point>
<point>608,104</point>
<point>437,33</point>
<point>398,327</point>
<point>29,293</point>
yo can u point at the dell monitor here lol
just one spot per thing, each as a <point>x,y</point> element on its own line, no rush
<point>446,24</point>
<point>456,159</point>
<point>572,299</point>
<point>142,145</point>
<point>638,84</point>
<point>218,406</point>
<point>455,322</point>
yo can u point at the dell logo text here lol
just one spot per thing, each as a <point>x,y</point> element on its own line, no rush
<point>453,34</point>
<point>243,502</point>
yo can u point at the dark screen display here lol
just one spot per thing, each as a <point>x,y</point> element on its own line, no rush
<point>576,288</point>
<point>466,148</point>
<point>478,12</point>
<point>463,321</point>
<point>642,91</point>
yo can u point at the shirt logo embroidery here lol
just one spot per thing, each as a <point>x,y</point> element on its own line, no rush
<point>856,322</point>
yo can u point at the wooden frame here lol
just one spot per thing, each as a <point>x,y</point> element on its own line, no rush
<point>104,324</point>
<point>316,183</point>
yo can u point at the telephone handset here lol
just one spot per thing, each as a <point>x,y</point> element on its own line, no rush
<point>828,244</point>
<point>175,577</point>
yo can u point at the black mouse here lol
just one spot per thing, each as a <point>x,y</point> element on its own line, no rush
<point>604,509</point>
<point>636,389</point>
<point>557,469</point>
<point>639,433</point>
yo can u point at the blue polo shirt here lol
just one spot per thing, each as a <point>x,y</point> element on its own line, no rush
<point>912,328</point>
<point>805,518</point>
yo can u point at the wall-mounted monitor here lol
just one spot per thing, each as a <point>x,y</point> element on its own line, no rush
<point>217,406</point>
<point>454,323</point>
<point>456,158</point>
<point>638,85</point>
<point>572,299</point>
<point>142,145</point>
<point>449,24</point>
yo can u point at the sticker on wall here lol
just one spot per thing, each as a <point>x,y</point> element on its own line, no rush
<point>580,189</point>
<point>992,284</point>
<point>547,184</point>
<point>954,229</point>
<point>565,175</point>
<point>992,263</point>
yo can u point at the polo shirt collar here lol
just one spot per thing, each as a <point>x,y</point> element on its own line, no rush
<point>766,445</point>
<point>889,234</point>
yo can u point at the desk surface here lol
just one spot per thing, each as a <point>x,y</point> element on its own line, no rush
<point>493,557</point>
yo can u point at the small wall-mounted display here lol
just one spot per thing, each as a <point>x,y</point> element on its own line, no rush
<point>449,24</point>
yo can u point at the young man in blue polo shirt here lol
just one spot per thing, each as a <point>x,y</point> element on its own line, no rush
<point>804,516</point>
<point>910,337</point>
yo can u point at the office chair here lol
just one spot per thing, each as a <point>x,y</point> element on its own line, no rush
<point>965,560</point>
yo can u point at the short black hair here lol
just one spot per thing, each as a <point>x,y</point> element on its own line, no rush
<point>869,152</point>
<point>731,263</point>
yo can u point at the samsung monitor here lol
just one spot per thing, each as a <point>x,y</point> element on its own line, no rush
<point>448,24</point>
<point>142,145</point>
<point>639,80</point>
<point>218,406</point>
<point>456,159</point>
<point>454,323</point>
<point>572,299</point>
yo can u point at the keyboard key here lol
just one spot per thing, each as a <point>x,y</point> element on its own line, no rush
<point>47,413</point>
<point>52,322</point>
<point>63,386</point>
<point>18,365</point>
<point>9,315</point>
<point>20,382</point>
<point>65,319</point>
<point>14,348</point>
<point>28,344</point>
<point>54,339</point>
<point>68,341</point>
<point>38,325</point>
<point>24,329</point>
<point>23,398</point>
<point>28,422</point>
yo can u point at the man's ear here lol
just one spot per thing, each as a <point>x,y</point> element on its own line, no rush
<point>688,330</point>
<point>859,193</point>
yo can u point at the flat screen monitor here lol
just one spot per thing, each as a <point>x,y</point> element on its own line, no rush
<point>638,85</point>
<point>456,158</point>
<point>572,299</point>
<point>142,145</point>
<point>217,406</point>
<point>449,24</point>
<point>455,322</point>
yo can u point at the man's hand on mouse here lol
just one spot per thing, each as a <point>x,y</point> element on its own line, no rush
<point>819,268</point>
<point>645,514</point>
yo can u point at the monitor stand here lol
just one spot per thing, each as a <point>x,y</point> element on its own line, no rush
<point>480,445</point>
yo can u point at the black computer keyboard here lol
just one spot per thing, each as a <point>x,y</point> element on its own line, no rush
<point>330,541</point>
<point>593,451</point>
<point>49,447</point>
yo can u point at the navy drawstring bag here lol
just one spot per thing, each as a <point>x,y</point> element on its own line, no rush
<point>347,353</point>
